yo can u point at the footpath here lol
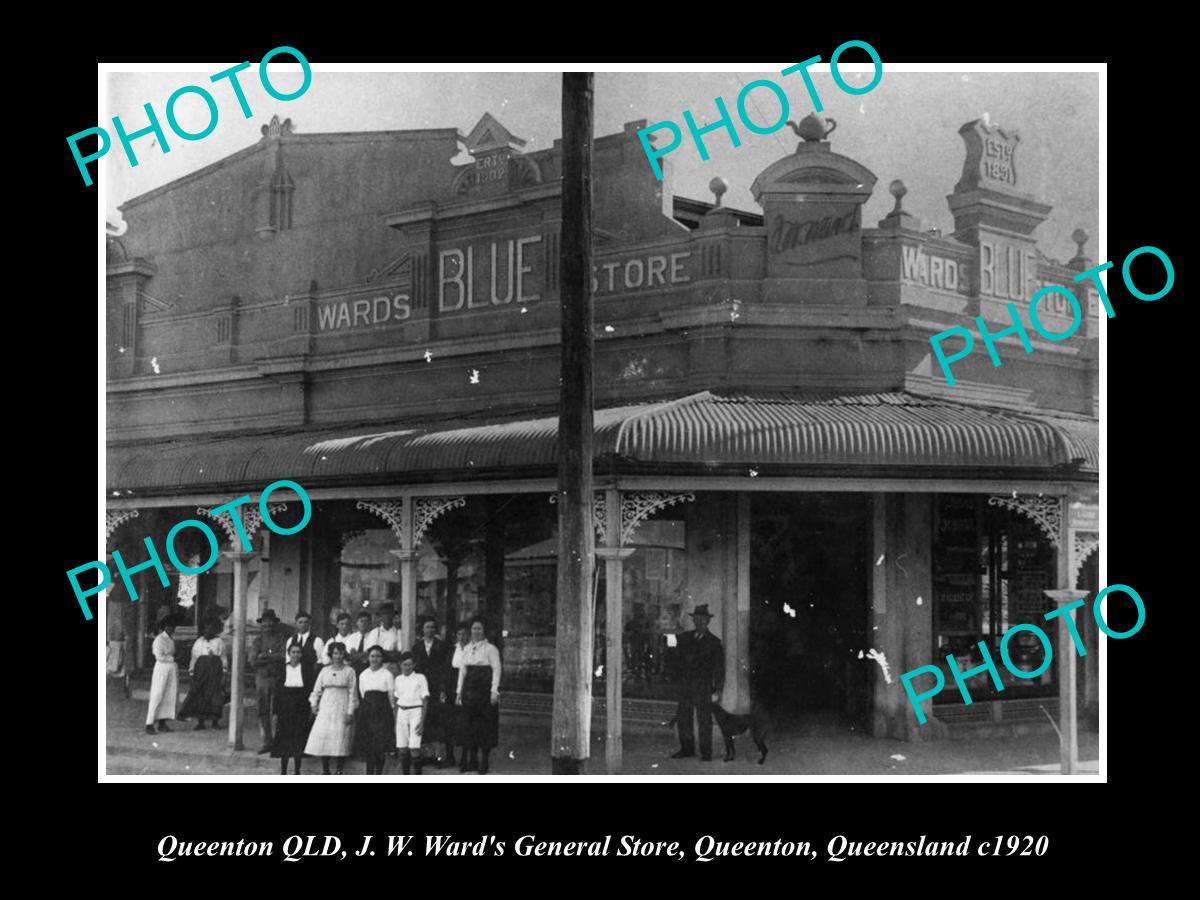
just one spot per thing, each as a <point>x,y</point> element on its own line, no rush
<point>815,748</point>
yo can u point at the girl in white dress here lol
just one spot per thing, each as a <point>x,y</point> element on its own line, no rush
<point>334,700</point>
<point>164,684</point>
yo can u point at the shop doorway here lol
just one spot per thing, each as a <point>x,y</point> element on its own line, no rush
<point>809,610</point>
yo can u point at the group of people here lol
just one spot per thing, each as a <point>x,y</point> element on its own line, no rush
<point>359,693</point>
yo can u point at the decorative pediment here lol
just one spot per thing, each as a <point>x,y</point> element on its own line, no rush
<point>991,157</point>
<point>489,135</point>
<point>275,128</point>
<point>814,169</point>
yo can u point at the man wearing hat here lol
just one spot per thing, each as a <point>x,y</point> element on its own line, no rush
<point>267,656</point>
<point>701,679</point>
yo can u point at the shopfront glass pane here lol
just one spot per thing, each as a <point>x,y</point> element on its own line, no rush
<point>680,560</point>
<point>655,601</point>
<point>497,557</point>
<point>370,572</point>
<point>991,567</point>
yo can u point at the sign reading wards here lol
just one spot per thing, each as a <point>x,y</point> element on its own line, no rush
<point>386,308</point>
<point>935,271</point>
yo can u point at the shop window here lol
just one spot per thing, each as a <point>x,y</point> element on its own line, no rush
<point>370,572</point>
<point>530,587</point>
<point>497,557</point>
<point>991,566</point>
<point>655,599</point>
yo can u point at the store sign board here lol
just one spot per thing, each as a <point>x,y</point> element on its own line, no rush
<point>1084,517</point>
<point>810,234</point>
<point>514,270</point>
<point>935,271</point>
<point>1006,269</point>
<point>501,273</point>
<point>379,307</point>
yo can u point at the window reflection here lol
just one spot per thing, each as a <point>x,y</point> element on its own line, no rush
<point>991,567</point>
<point>370,573</point>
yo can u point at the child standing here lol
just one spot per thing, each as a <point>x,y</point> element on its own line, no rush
<point>412,701</point>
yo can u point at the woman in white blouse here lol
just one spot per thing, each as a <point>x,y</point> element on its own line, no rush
<point>334,700</point>
<point>295,718</point>
<point>206,695</point>
<point>479,697</point>
<point>375,727</point>
<point>164,683</point>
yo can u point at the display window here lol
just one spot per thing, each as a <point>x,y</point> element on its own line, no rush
<point>991,568</point>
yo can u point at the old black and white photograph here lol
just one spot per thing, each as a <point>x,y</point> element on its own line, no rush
<point>645,423</point>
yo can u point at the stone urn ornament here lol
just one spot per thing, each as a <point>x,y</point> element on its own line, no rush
<point>813,128</point>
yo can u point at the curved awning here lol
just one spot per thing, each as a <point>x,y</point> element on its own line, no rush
<point>786,432</point>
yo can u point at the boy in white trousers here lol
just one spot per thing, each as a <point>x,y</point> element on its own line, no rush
<point>412,700</point>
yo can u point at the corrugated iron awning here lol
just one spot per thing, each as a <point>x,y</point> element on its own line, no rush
<point>893,430</point>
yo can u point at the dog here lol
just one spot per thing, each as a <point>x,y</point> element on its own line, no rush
<point>758,723</point>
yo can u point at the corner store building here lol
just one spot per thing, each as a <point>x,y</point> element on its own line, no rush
<point>358,314</point>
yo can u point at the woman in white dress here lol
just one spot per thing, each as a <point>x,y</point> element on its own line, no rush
<point>164,684</point>
<point>334,700</point>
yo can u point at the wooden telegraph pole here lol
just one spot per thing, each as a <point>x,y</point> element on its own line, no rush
<point>571,733</point>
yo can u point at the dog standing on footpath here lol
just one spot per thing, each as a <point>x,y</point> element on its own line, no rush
<point>702,678</point>
<point>758,723</point>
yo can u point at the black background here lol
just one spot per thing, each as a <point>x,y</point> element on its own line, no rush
<point>110,831</point>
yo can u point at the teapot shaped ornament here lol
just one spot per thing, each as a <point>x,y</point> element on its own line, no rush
<point>813,128</point>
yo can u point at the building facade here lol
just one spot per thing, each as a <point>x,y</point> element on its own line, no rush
<point>358,314</point>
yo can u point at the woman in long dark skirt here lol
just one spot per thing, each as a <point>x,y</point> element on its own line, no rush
<point>479,697</point>
<point>295,718</point>
<point>206,695</point>
<point>375,725</point>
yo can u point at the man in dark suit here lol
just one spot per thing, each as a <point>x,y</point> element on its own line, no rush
<point>431,658</point>
<point>701,679</point>
<point>311,647</point>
